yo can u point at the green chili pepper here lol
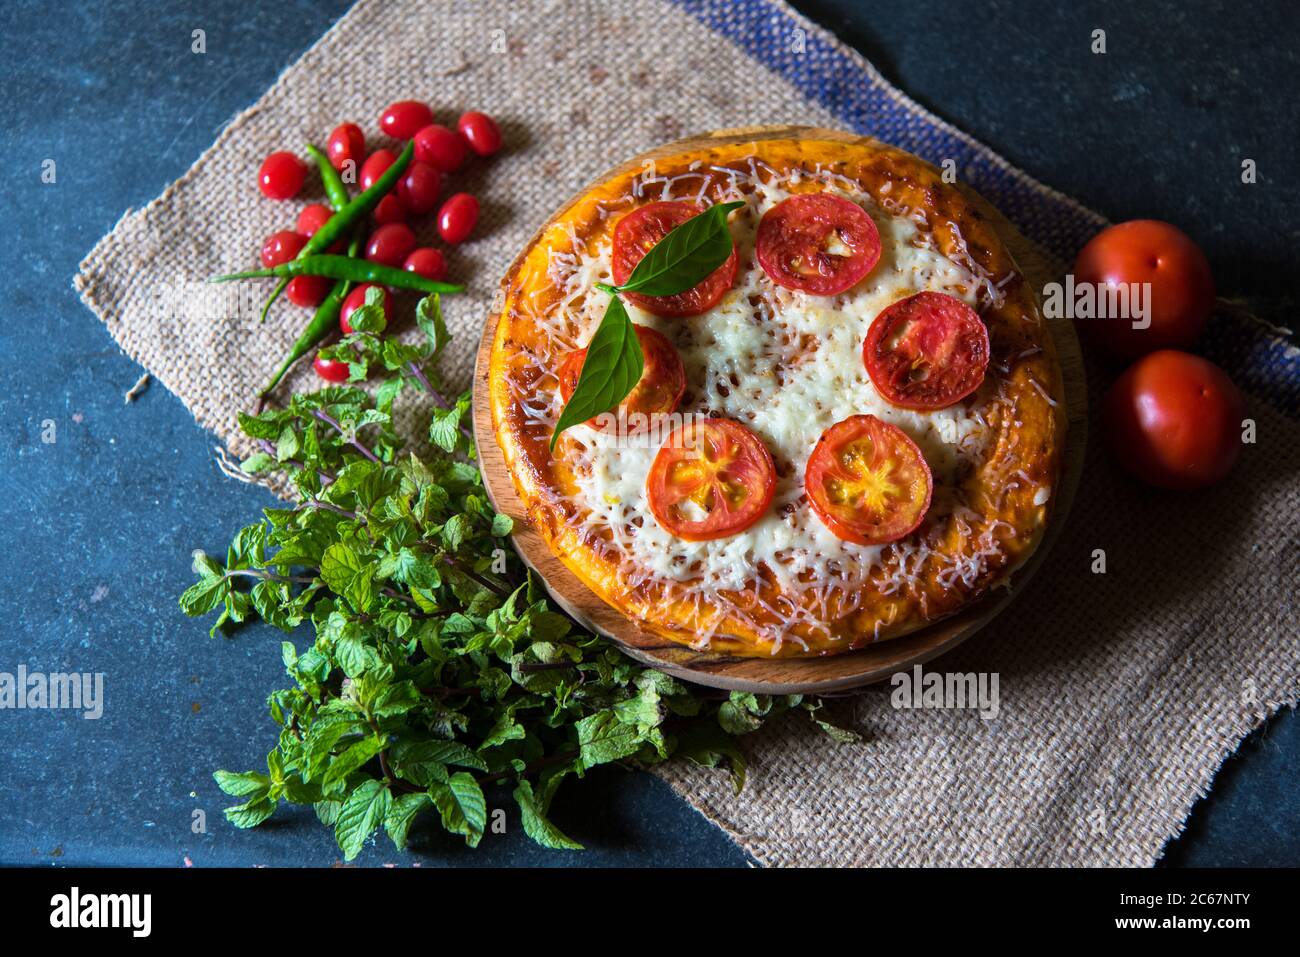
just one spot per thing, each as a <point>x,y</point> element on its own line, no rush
<point>354,247</point>
<point>322,323</point>
<point>345,267</point>
<point>342,222</point>
<point>335,189</point>
<point>337,193</point>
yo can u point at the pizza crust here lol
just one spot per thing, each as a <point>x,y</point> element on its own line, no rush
<point>1005,500</point>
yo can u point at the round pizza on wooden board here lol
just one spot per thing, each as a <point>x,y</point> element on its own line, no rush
<point>871,326</point>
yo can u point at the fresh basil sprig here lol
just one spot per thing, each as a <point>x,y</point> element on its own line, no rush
<point>611,370</point>
<point>433,678</point>
<point>686,256</point>
<point>681,260</point>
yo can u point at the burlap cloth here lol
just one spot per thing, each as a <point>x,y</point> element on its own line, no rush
<point>1120,693</point>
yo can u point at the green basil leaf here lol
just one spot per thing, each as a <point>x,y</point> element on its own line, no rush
<point>363,811</point>
<point>428,316</point>
<point>401,812</point>
<point>204,595</point>
<point>602,738</point>
<point>347,575</point>
<point>351,759</point>
<point>462,806</point>
<point>736,720</point>
<point>321,739</point>
<point>686,256</point>
<point>444,426</point>
<point>257,463</point>
<point>612,368</point>
<point>536,824</point>
<point>436,752</point>
<point>243,784</point>
<point>338,566</point>
<point>505,729</point>
<point>251,813</point>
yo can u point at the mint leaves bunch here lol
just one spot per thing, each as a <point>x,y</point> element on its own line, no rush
<point>440,675</point>
<point>681,260</point>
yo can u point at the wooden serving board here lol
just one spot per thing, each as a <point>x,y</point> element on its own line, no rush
<point>785,675</point>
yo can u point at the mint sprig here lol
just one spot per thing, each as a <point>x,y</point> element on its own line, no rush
<point>440,680</point>
<point>681,260</point>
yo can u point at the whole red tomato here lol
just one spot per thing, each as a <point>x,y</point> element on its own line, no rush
<point>1181,287</point>
<point>1174,420</point>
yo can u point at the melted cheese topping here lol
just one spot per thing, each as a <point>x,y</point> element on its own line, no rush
<point>786,364</point>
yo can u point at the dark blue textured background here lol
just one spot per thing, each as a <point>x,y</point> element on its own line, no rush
<point>99,525</point>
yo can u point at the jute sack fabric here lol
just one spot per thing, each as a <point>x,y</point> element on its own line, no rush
<point>1119,692</point>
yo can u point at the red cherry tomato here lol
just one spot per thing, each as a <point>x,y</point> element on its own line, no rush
<point>312,218</point>
<point>440,147</point>
<point>428,263</point>
<point>660,388</point>
<point>356,299</point>
<point>1174,420</point>
<point>867,481</point>
<point>818,243</point>
<point>331,370</point>
<point>481,132</point>
<point>281,176</point>
<point>457,217</point>
<point>308,291</point>
<point>1181,293</point>
<point>926,352</point>
<point>404,119</point>
<point>420,187</point>
<point>346,144</point>
<point>710,479</point>
<point>635,235</point>
<point>281,247</point>
<point>390,244</point>
<point>390,210</point>
<point>374,166</point>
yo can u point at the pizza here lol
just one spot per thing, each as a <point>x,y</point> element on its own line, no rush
<point>851,428</point>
